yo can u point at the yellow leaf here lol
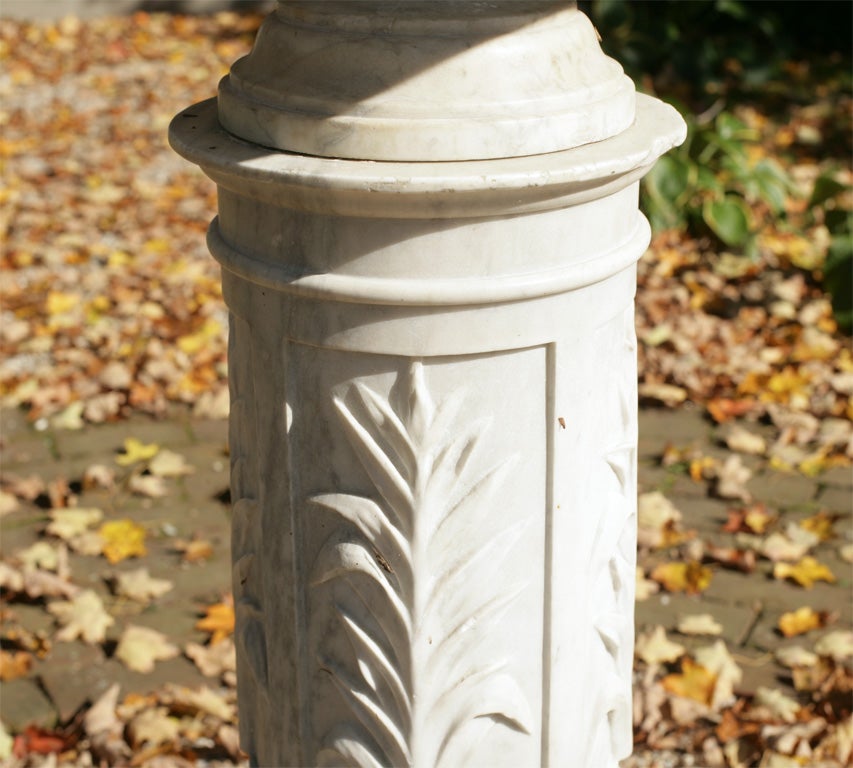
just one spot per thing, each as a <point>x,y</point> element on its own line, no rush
<point>59,303</point>
<point>122,539</point>
<point>800,621</point>
<point>820,525</point>
<point>135,450</point>
<point>805,573</point>
<point>691,577</point>
<point>219,620</point>
<point>694,682</point>
<point>195,342</point>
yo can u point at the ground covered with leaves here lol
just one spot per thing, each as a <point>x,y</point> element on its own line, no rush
<point>111,311</point>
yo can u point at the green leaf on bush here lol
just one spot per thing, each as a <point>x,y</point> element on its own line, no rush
<point>728,219</point>
<point>825,188</point>
<point>838,280</point>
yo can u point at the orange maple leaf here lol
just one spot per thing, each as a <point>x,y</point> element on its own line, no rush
<point>218,620</point>
<point>693,682</point>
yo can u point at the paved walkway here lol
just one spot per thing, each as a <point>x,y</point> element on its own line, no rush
<point>748,606</point>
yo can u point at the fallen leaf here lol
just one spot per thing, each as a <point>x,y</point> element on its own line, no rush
<point>14,664</point>
<point>40,555</point>
<point>39,741</point>
<point>136,451</point>
<point>806,572</point>
<point>837,645</point>
<point>691,577</point>
<point>194,550</point>
<point>153,727</point>
<point>104,729</point>
<point>724,409</point>
<point>731,479</point>
<point>8,503</point>
<point>98,476</point>
<point>150,486</point>
<point>778,547</point>
<point>743,441</point>
<point>139,648</point>
<point>140,586</point>
<point>218,620</point>
<point>742,560</point>
<point>169,464</point>
<point>717,659</point>
<point>699,624</point>
<point>68,523</point>
<point>757,518</point>
<point>199,701</point>
<point>122,539</point>
<point>795,656</point>
<point>820,525</point>
<point>83,616</point>
<point>777,703</point>
<point>655,648</point>
<point>213,660</point>
<point>644,587</point>
<point>664,393</point>
<point>693,682</point>
<point>799,622</point>
<point>846,553</point>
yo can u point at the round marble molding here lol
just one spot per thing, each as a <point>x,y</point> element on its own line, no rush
<point>426,190</point>
<point>436,80</point>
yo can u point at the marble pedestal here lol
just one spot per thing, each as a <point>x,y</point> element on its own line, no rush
<point>430,268</point>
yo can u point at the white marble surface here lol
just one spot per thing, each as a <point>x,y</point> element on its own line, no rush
<point>426,81</point>
<point>433,426</point>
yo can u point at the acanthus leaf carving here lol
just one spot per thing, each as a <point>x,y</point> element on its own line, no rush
<point>421,671</point>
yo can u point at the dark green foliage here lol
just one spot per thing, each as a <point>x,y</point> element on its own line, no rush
<point>707,57</point>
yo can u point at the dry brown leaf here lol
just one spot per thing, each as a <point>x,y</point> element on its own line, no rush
<point>194,550</point>
<point>139,648</point>
<point>691,577</point>
<point>122,539</point>
<point>140,586</point>
<point>150,486</point>
<point>105,730</point>
<point>213,660</point>
<point>693,682</point>
<point>98,476</point>
<point>777,703</point>
<point>801,621</point>
<point>731,479</point>
<point>198,701</point>
<point>8,503</point>
<point>743,441</point>
<point>805,573</point>
<point>14,664</point>
<point>778,547</point>
<point>83,616</point>
<point>719,661</point>
<point>218,620</point>
<point>699,624</point>
<point>795,656</point>
<point>69,523</point>
<point>837,645</point>
<point>742,560</point>
<point>820,525</point>
<point>644,587</point>
<point>153,727</point>
<point>169,464</point>
<point>655,647</point>
<point>40,555</point>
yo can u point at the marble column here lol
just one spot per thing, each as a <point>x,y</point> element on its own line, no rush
<point>428,228</point>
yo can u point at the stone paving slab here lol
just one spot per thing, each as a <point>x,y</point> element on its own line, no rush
<point>747,606</point>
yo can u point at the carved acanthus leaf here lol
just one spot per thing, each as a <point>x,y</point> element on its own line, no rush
<point>429,546</point>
